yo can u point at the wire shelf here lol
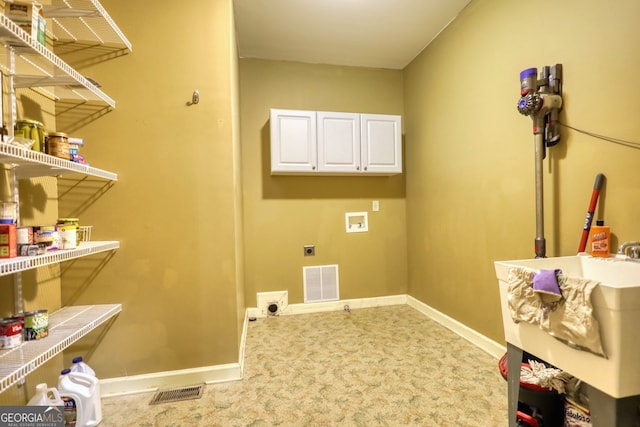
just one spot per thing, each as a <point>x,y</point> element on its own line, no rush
<point>33,163</point>
<point>22,263</point>
<point>84,21</point>
<point>77,27</point>
<point>36,56</point>
<point>66,326</point>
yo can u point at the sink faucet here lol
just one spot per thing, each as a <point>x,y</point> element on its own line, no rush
<point>630,249</point>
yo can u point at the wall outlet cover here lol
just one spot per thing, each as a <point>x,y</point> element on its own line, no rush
<point>266,301</point>
<point>309,250</point>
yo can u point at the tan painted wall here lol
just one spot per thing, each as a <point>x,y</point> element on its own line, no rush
<point>175,207</point>
<point>469,173</point>
<point>284,213</point>
<point>470,157</point>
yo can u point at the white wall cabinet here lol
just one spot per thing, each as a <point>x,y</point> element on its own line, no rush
<point>381,143</point>
<point>293,141</point>
<point>338,142</point>
<point>309,142</point>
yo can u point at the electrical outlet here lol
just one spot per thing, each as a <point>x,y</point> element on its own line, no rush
<point>375,205</point>
<point>309,250</point>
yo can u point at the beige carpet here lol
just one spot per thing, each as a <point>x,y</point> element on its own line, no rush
<point>384,366</point>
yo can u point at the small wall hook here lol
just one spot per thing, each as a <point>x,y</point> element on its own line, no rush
<point>195,98</point>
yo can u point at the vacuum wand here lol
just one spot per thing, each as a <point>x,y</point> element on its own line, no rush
<point>541,99</point>
<point>597,186</point>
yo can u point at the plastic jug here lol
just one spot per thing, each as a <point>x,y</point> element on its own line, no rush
<point>80,366</point>
<point>81,395</point>
<point>46,396</point>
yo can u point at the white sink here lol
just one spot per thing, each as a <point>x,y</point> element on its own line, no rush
<point>616,305</point>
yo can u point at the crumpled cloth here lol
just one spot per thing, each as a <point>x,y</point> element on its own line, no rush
<point>540,374</point>
<point>570,319</point>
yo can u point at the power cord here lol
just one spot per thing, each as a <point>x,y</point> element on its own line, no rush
<point>624,142</point>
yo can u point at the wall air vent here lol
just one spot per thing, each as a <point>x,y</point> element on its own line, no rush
<point>320,283</point>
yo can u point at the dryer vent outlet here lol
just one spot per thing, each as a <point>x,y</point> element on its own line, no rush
<point>273,308</point>
<point>272,303</point>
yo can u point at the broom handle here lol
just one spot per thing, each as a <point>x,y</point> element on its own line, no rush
<point>592,208</point>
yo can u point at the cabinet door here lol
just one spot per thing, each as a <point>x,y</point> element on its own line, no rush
<point>381,143</point>
<point>293,141</point>
<point>338,142</point>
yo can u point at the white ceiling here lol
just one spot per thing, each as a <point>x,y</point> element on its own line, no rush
<point>366,33</point>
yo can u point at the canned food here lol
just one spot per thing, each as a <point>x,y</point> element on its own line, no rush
<point>57,144</point>
<point>10,333</point>
<point>46,235</point>
<point>36,325</point>
<point>25,235</point>
<point>29,250</point>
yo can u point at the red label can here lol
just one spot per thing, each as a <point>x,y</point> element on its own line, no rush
<point>10,333</point>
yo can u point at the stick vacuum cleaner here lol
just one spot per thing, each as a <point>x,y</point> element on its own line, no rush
<point>541,99</point>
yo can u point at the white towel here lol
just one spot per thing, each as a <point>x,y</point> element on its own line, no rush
<point>570,319</point>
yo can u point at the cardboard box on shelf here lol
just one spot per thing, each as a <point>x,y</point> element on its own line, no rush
<point>30,17</point>
<point>8,242</point>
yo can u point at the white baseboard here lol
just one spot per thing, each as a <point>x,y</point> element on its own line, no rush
<point>317,307</point>
<point>479,340</point>
<point>151,382</point>
<point>243,341</point>
<point>234,371</point>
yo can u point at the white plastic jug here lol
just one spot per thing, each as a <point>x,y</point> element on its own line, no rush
<point>46,396</point>
<point>80,366</point>
<point>81,394</point>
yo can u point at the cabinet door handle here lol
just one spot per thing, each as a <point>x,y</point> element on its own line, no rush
<point>365,168</point>
<point>357,168</point>
<point>313,168</point>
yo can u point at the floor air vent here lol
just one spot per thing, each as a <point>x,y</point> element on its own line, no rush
<point>177,394</point>
<point>321,283</point>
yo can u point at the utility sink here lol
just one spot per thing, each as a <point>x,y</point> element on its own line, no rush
<point>616,306</point>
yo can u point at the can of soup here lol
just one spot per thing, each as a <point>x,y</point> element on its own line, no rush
<point>10,332</point>
<point>36,325</point>
<point>25,235</point>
